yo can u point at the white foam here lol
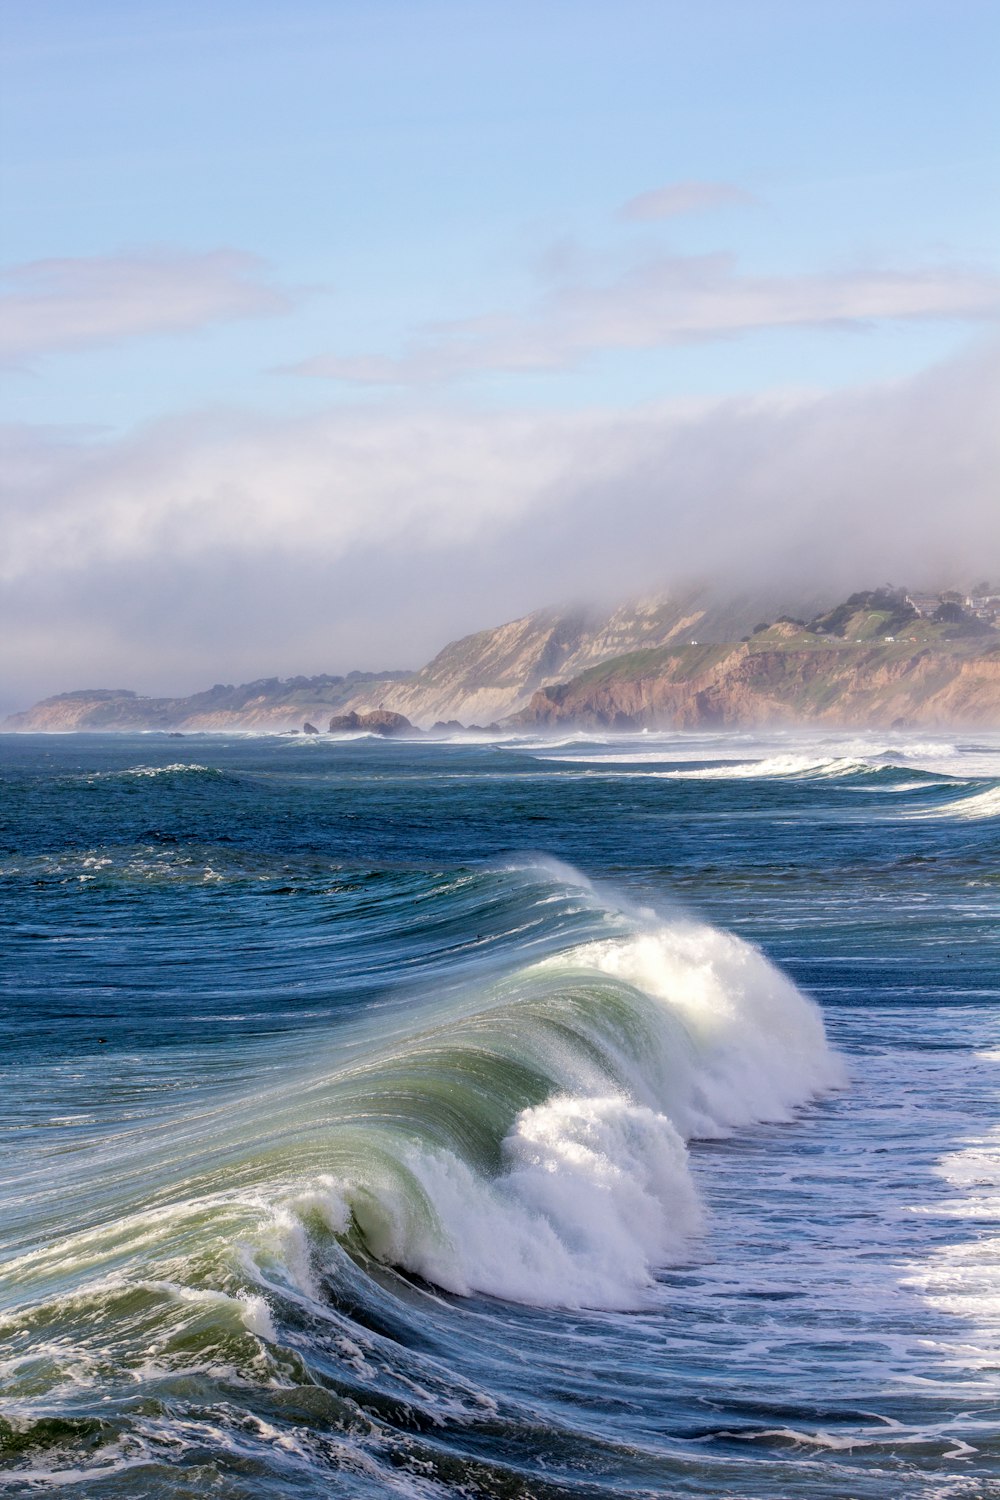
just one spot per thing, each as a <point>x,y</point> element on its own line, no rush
<point>596,1193</point>
<point>251,1309</point>
<point>256,1316</point>
<point>177,768</point>
<point>758,1046</point>
<point>730,770</point>
<point>963,1278</point>
<point>791,766</point>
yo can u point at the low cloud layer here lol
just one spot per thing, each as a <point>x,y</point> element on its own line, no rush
<point>57,305</point>
<point>666,301</point>
<point>203,550</point>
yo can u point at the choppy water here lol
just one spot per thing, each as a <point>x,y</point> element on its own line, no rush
<point>513,1119</point>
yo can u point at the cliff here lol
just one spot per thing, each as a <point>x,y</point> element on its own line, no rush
<point>872,659</point>
<point>790,674</point>
<point>479,678</point>
<point>494,673</point>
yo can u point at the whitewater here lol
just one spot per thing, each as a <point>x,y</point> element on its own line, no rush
<point>516,1118</point>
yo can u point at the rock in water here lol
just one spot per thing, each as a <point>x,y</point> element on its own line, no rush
<point>379,721</point>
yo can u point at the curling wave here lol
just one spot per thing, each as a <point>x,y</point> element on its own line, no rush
<point>535,1149</point>
<point>528,1141</point>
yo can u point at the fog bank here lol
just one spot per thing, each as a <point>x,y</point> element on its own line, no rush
<point>222,546</point>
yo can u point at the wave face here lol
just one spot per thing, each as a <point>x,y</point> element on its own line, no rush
<point>531,1143</point>
<point>543,1154</point>
<point>342,1162</point>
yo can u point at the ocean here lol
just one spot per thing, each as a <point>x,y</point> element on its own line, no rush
<point>507,1117</point>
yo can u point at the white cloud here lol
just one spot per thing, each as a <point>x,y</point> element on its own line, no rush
<point>668,301</point>
<point>204,549</point>
<point>50,305</point>
<point>678,198</point>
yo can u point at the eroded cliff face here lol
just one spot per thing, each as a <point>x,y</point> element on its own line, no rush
<point>752,685</point>
<point>493,674</point>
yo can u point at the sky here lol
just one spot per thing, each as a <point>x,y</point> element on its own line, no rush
<point>334,329</point>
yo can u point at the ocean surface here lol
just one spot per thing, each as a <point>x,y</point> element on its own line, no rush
<point>511,1118</point>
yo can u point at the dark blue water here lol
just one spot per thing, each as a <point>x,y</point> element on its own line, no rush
<point>511,1119</point>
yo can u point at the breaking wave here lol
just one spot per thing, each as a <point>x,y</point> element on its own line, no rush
<point>544,1154</point>
<point>791,766</point>
<point>529,1143</point>
<point>981,804</point>
<point>171,772</point>
<point>930,760</point>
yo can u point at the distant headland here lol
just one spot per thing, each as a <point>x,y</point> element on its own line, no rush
<point>883,657</point>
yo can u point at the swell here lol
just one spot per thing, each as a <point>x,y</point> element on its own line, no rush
<point>551,1105</point>
<point>524,1136</point>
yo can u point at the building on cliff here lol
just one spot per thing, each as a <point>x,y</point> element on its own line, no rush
<point>924,604</point>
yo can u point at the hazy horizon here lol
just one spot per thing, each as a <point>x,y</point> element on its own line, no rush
<point>748,605</point>
<point>336,334</point>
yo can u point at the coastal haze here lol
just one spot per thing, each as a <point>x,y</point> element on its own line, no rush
<point>882,658</point>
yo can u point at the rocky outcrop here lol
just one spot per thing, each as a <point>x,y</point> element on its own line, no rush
<point>452,726</point>
<point>379,721</point>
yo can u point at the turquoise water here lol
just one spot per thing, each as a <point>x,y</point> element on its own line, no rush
<point>507,1118</point>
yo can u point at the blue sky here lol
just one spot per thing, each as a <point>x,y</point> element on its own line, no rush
<point>248,243</point>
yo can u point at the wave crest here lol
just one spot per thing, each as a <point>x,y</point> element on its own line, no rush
<point>535,1149</point>
<point>982,804</point>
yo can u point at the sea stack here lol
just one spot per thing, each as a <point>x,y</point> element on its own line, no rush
<point>378,721</point>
